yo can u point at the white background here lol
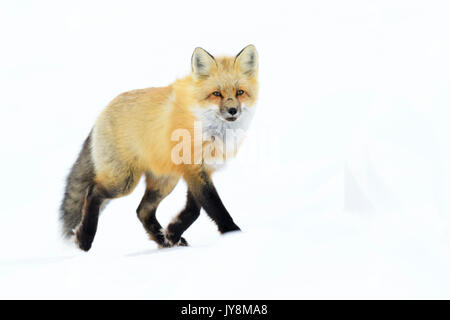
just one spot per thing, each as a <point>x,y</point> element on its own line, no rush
<point>342,187</point>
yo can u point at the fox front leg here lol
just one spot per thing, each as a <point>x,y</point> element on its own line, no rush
<point>205,194</point>
<point>183,221</point>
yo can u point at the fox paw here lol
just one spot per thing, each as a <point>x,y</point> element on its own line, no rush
<point>82,241</point>
<point>182,242</point>
<point>170,241</point>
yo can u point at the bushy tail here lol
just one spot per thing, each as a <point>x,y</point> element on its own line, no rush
<point>81,177</point>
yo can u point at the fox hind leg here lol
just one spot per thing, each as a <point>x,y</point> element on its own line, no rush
<point>85,233</point>
<point>103,188</point>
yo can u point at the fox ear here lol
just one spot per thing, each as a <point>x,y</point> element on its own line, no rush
<point>247,60</point>
<point>202,63</point>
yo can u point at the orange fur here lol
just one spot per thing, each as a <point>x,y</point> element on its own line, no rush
<point>133,133</point>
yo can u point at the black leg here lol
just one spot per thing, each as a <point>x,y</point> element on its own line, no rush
<point>88,227</point>
<point>206,195</point>
<point>183,221</point>
<point>147,215</point>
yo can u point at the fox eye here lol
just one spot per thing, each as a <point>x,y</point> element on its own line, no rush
<point>240,92</point>
<point>217,94</point>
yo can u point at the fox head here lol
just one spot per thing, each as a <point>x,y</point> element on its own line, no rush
<point>227,85</point>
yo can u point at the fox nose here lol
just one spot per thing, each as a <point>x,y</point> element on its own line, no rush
<point>232,111</point>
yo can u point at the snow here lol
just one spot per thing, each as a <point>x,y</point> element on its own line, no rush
<point>341,188</point>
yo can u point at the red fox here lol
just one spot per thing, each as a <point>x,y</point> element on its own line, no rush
<point>134,136</point>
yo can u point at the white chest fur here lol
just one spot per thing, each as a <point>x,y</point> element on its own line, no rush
<point>225,135</point>
<point>213,125</point>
